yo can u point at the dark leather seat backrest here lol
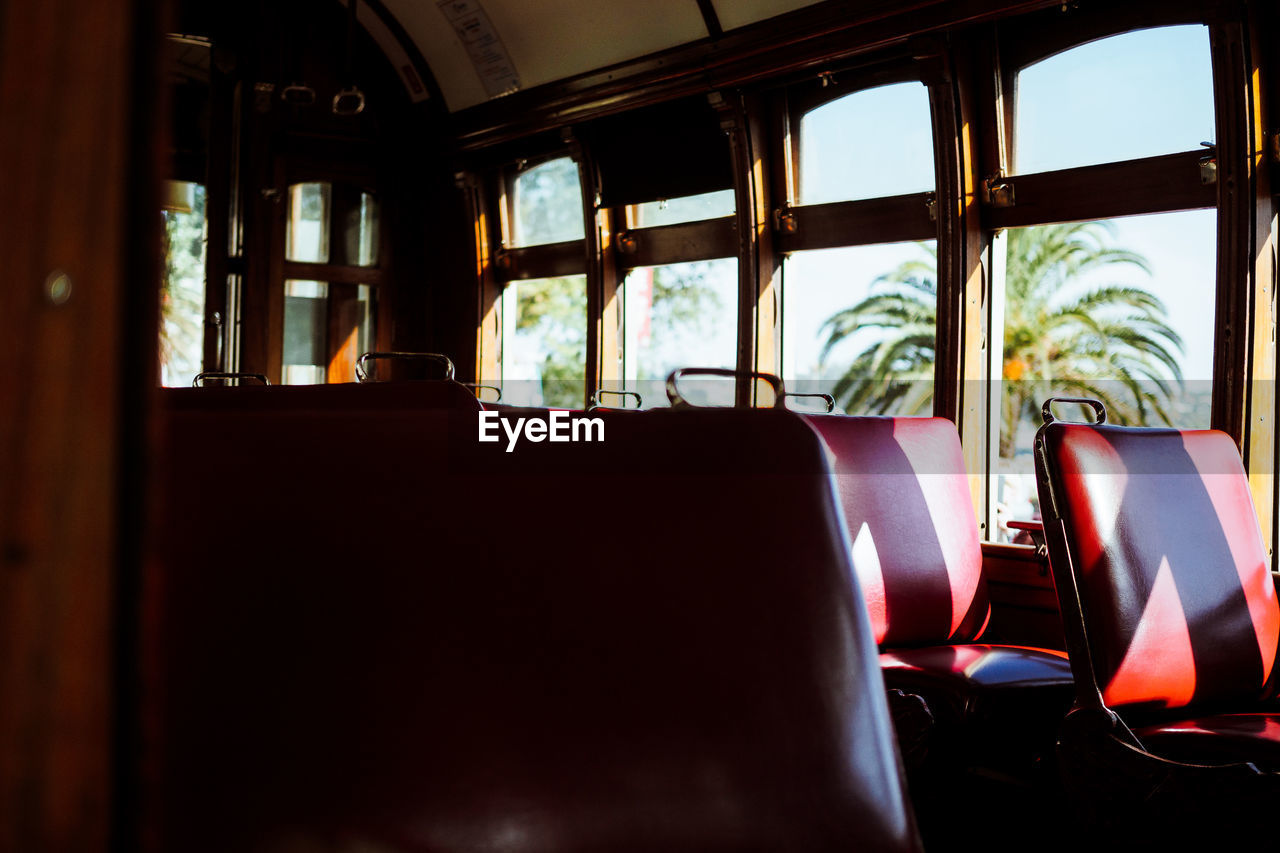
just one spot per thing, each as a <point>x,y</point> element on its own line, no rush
<point>906,500</point>
<point>1176,596</point>
<point>432,394</point>
<point>654,642</point>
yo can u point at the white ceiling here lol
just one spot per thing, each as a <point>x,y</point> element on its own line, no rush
<point>548,40</point>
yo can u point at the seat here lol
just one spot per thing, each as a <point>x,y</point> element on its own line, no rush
<point>413,651</point>
<point>905,496</point>
<point>1171,619</point>
<point>995,708</point>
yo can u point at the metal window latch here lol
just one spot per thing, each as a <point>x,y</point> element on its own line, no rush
<point>626,243</point>
<point>1209,164</point>
<point>931,204</point>
<point>1000,191</point>
<point>784,221</point>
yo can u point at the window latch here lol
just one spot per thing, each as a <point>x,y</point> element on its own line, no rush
<point>1209,164</point>
<point>1000,191</point>
<point>784,221</point>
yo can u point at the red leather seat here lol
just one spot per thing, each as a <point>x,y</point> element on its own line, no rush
<point>905,495</point>
<point>1168,604</point>
<point>435,645</point>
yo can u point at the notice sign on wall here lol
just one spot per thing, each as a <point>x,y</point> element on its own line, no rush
<point>487,52</point>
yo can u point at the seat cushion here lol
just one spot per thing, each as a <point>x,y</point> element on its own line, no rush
<point>1015,694</point>
<point>1219,738</point>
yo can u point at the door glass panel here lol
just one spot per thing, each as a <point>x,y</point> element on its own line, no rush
<point>1121,311</point>
<point>544,342</point>
<point>182,300</point>
<point>361,232</point>
<point>307,230</point>
<point>680,315</point>
<point>860,323</point>
<point>870,144</point>
<point>306,327</point>
<point>547,204</point>
<point>1138,94</point>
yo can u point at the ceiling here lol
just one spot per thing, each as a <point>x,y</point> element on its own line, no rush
<point>480,49</point>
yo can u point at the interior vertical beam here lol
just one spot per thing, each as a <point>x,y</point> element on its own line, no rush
<point>1260,442</point>
<point>733,119</point>
<point>79,234</point>
<point>1233,353</point>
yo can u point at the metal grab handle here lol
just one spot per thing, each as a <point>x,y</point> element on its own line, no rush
<point>476,388</point>
<point>298,94</point>
<point>362,375</point>
<point>218,374</point>
<point>348,102</point>
<point>678,401</point>
<point>830,401</point>
<point>594,402</point>
<point>1099,410</point>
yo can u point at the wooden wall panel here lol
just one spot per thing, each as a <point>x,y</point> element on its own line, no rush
<point>77,303</point>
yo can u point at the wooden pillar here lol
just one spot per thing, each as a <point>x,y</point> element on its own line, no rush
<point>79,234</point>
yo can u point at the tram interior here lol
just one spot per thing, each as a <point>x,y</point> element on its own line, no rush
<point>881,403</point>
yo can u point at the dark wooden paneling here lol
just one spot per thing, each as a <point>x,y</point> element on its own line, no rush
<point>860,223</point>
<point>1149,185</point>
<point>1024,605</point>
<point>78,96</point>
<point>675,244</point>
<point>336,273</point>
<point>548,261</point>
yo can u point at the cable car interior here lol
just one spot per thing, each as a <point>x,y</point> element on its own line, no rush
<point>716,425</point>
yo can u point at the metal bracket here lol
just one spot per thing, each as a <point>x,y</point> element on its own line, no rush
<point>1000,192</point>
<point>784,221</point>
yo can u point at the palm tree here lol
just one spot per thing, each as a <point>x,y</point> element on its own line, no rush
<point>1111,342</point>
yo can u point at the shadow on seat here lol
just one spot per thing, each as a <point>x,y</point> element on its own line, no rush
<point>906,500</point>
<point>1171,621</point>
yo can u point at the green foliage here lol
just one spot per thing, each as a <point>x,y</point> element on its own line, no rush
<point>684,306</point>
<point>1111,342</point>
<point>182,291</point>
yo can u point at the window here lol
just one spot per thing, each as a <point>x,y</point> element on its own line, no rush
<point>1093,302</point>
<point>544,341</point>
<point>330,290</point>
<point>1138,94</point>
<point>547,204</point>
<point>691,208</point>
<point>860,325</point>
<point>678,315</point>
<point>870,144</point>
<point>182,297</point>
<point>859,278</point>
<point>1115,310</point>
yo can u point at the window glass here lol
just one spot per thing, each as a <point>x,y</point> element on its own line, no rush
<point>307,231</point>
<point>1138,94</point>
<point>327,327</point>
<point>547,204</point>
<point>690,208</point>
<point>306,329</point>
<point>680,315</point>
<point>544,342</point>
<point>182,299</point>
<point>361,232</point>
<point>860,323</point>
<point>870,144</point>
<point>1120,311</point>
